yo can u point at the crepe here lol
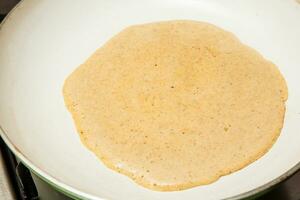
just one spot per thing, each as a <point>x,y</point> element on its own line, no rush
<point>176,104</point>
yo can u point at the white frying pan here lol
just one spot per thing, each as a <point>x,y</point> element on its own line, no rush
<point>43,41</point>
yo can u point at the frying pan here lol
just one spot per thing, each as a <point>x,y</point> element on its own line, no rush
<point>43,41</point>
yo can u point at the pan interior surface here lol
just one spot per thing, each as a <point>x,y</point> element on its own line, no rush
<point>42,42</point>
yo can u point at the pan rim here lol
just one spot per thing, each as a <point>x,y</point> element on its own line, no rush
<point>78,194</point>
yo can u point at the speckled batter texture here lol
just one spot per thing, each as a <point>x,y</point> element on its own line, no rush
<point>176,104</point>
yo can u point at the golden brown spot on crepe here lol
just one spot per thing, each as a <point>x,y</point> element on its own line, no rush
<point>176,104</point>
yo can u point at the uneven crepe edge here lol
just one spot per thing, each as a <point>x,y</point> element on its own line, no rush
<point>166,188</point>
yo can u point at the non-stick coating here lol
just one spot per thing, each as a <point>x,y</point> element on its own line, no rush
<point>43,41</point>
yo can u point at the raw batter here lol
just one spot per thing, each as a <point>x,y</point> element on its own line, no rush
<point>176,104</point>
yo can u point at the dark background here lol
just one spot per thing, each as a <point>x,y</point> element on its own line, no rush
<point>288,190</point>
